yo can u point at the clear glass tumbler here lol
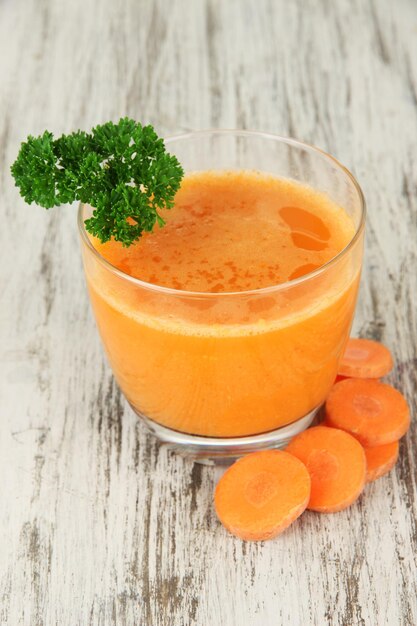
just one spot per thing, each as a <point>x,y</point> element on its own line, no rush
<point>219,375</point>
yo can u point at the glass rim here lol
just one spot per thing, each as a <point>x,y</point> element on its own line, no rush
<point>250,292</point>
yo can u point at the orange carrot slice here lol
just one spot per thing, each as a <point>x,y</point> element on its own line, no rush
<point>375,413</point>
<point>261,494</point>
<point>364,358</point>
<point>380,460</point>
<point>337,466</point>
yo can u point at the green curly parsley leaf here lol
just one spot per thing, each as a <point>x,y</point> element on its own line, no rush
<point>121,170</point>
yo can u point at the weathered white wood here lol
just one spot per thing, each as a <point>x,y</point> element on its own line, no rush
<point>98,524</point>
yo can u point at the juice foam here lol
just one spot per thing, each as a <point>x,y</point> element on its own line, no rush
<point>236,231</point>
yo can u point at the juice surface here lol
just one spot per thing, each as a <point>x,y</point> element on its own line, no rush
<point>229,365</point>
<point>236,231</point>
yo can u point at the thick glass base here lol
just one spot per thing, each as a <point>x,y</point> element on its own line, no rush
<point>224,450</point>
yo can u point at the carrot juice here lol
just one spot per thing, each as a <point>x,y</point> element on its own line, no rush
<point>209,323</point>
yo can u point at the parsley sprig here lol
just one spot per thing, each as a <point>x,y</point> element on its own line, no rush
<point>121,170</point>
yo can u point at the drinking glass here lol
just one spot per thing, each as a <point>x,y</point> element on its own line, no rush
<point>217,375</point>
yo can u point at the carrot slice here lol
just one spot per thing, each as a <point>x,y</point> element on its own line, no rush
<point>337,466</point>
<point>262,494</point>
<point>380,460</point>
<point>375,413</point>
<point>364,358</point>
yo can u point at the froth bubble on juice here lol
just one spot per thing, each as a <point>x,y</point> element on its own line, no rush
<point>250,357</point>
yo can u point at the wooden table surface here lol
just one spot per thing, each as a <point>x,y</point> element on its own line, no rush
<point>99,524</point>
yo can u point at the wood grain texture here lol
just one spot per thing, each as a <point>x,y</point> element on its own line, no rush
<point>98,524</point>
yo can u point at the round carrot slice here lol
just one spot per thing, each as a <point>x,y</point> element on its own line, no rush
<point>380,460</point>
<point>375,413</point>
<point>261,494</point>
<point>337,466</point>
<point>364,358</point>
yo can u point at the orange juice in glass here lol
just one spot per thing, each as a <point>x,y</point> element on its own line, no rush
<point>225,327</point>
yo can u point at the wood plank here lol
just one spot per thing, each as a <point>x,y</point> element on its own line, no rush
<point>99,524</point>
